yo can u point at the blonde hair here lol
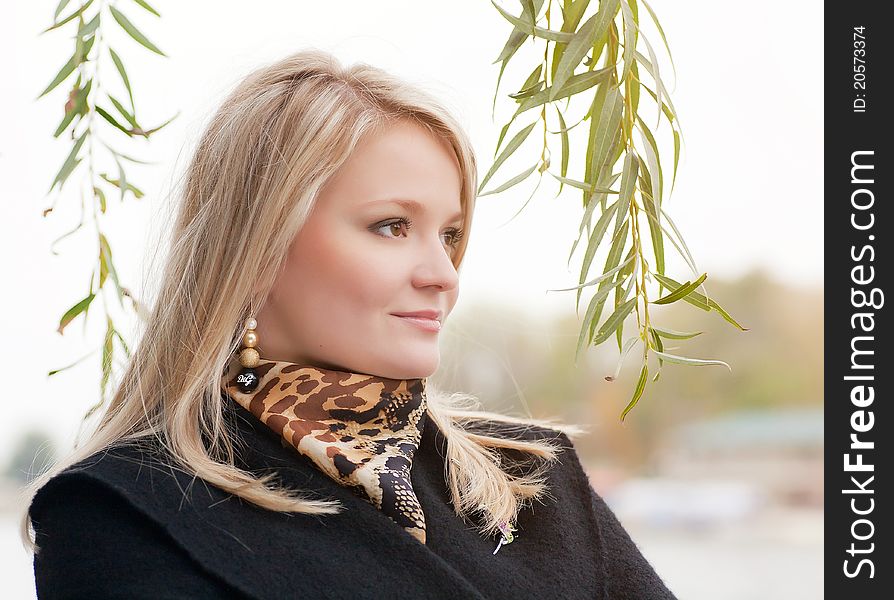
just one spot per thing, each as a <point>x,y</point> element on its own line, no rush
<point>255,174</point>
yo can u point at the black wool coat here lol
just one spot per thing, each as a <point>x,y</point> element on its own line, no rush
<point>124,524</point>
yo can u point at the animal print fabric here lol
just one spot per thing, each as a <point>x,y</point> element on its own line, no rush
<point>362,430</point>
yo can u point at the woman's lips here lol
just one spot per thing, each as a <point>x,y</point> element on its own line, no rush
<point>422,323</point>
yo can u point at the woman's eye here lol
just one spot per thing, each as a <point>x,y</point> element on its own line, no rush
<point>455,236</point>
<point>394,226</point>
<point>403,224</point>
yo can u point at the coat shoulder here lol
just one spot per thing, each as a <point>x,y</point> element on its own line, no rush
<point>87,524</point>
<point>519,430</point>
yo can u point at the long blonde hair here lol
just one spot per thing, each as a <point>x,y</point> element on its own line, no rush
<point>255,174</point>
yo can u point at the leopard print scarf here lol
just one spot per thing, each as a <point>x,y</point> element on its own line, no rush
<point>361,430</point>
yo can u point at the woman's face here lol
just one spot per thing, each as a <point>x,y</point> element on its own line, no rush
<point>357,262</point>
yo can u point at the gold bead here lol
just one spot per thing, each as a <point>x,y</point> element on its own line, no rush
<point>249,357</point>
<point>251,323</point>
<point>250,339</point>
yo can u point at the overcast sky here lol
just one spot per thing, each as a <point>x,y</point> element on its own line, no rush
<point>749,194</point>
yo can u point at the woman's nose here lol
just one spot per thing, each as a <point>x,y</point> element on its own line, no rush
<point>436,267</point>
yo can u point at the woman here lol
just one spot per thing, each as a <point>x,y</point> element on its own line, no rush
<point>274,435</point>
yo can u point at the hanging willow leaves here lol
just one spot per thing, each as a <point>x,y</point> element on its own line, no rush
<point>594,53</point>
<point>90,128</point>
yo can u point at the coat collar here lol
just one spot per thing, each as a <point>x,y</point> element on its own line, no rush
<point>361,553</point>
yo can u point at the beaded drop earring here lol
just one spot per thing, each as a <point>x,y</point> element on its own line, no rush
<point>247,380</point>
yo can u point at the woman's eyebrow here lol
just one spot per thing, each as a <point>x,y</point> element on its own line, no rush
<point>411,205</point>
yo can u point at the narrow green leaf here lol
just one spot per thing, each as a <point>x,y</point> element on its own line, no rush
<point>565,146</point>
<point>127,186</point>
<point>663,37</point>
<point>71,161</point>
<point>502,135</point>
<point>74,311</point>
<point>656,344</point>
<point>516,141</point>
<point>59,8</point>
<point>600,43</point>
<point>572,12</point>
<point>596,237</point>
<point>517,179</point>
<point>125,156</point>
<point>145,5</point>
<point>583,185</point>
<point>614,321</point>
<point>528,91</point>
<point>531,29</point>
<point>106,260</point>
<point>682,291</point>
<point>123,111</point>
<point>638,392</point>
<point>659,84</point>
<point>653,159</point>
<point>65,122</point>
<point>651,65</point>
<point>103,268</point>
<point>105,115</point>
<point>675,335</point>
<point>683,252</point>
<point>693,298</point>
<point>516,38</point>
<point>89,27</point>
<point>664,107</point>
<point>654,231</point>
<point>614,257</point>
<point>107,353</point>
<point>602,277</point>
<point>575,85</point>
<point>124,184</point>
<point>630,38</point>
<point>132,31</point>
<point>66,70</point>
<point>676,157</point>
<point>696,362</point>
<point>80,360</point>
<point>688,255</point>
<point>607,127</point>
<point>73,15</point>
<point>149,132</point>
<point>581,42</point>
<point>589,318</point>
<point>101,196</point>
<point>591,205</point>
<point>700,300</point>
<point>655,74</point>
<point>593,114</point>
<point>628,185</point>
<point>123,343</point>
<point>532,84</point>
<point>529,11</point>
<point>120,67</point>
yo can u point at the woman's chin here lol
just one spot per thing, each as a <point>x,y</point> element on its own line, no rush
<point>409,366</point>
